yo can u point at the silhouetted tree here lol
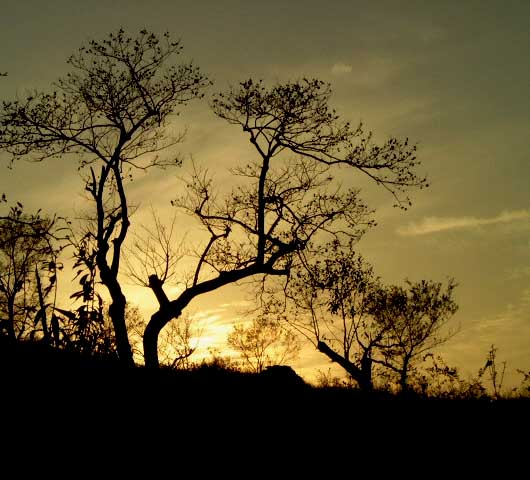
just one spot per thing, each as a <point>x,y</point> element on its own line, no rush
<point>285,201</point>
<point>332,301</point>
<point>29,248</point>
<point>264,342</point>
<point>154,256</point>
<point>356,322</point>
<point>110,113</point>
<point>412,318</point>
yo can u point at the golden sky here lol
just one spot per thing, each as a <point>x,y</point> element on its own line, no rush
<point>452,76</point>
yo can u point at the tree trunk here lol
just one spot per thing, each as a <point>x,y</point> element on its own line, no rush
<point>116,308</point>
<point>151,334</point>
<point>403,377</point>
<point>150,342</point>
<point>173,309</point>
<point>366,367</point>
<point>156,324</point>
<point>42,307</point>
<point>363,380</point>
<point>117,315</point>
<point>11,319</point>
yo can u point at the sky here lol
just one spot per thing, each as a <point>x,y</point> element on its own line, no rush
<point>453,76</point>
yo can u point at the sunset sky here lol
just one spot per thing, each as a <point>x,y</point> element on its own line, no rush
<point>453,76</point>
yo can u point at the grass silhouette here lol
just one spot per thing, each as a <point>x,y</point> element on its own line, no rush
<point>59,390</point>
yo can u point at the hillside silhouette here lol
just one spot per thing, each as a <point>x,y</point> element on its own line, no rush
<point>80,389</point>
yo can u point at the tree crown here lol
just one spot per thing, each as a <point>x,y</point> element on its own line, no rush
<point>119,91</point>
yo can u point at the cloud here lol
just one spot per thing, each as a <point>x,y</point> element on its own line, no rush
<point>440,224</point>
<point>341,68</point>
<point>211,314</point>
<point>237,304</point>
<point>519,272</point>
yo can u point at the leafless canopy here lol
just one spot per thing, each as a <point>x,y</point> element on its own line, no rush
<point>154,251</point>
<point>107,108</point>
<point>289,199</point>
<point>296,117</point>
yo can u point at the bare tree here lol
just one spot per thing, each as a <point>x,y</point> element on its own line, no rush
<point>264,342</point>
<point>286,200</point>
<point>154,254</point>
<point>110,113</point>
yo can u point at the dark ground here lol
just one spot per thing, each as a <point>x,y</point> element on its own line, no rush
<point>77,400</point>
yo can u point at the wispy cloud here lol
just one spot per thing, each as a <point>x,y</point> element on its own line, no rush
<point>211,314</point>
<point>341,68</point>
<point>440,224</point>
<point>236,304</point>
